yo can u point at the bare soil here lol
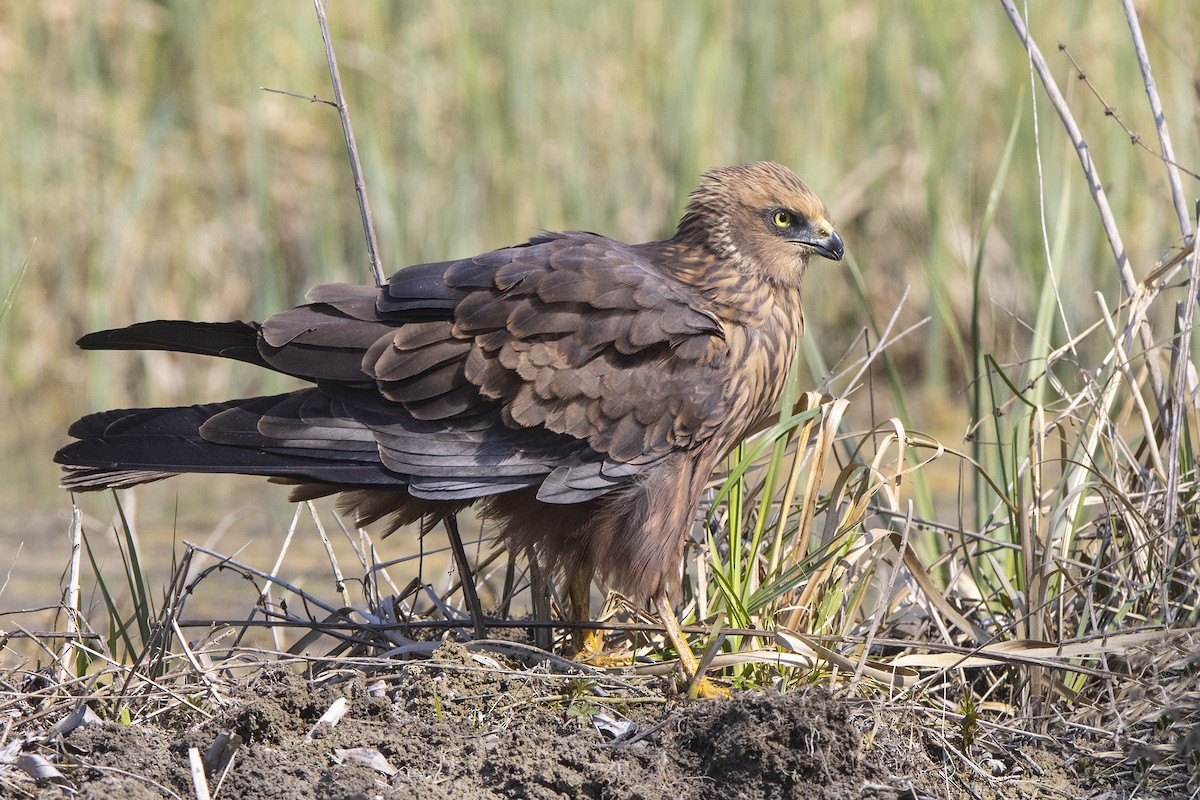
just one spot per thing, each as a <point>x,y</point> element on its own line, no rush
<point>455,727</point>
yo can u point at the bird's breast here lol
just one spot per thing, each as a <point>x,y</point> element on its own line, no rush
<point>760,357</point>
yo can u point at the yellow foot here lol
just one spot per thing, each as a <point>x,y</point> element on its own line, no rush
<point>707,690</point>
<point>591,652</point>
<point>687,659</point>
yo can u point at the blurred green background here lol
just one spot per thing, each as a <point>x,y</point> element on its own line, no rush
<point>144,174</point>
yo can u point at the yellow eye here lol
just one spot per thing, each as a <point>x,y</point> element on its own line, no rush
<point>782,219</point>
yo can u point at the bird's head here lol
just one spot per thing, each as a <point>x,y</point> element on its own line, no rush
<point>762,218</point>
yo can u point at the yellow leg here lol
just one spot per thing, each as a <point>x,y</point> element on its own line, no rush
<point>587,642</point>
<point>699,686</point>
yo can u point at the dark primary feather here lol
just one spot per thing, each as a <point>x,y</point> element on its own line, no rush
<point>581,388</point>
<point>236,340</point>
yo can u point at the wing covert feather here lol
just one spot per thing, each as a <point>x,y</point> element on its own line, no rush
<point>572,336</point>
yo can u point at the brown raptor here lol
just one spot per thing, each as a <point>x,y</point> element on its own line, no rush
<point>580,390</point>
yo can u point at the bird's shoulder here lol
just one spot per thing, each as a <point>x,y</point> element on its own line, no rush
<point>573,332</point>
<point>594,338</point>
<point>580,272</point>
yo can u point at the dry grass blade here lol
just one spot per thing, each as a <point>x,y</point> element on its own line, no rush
<point>1123,364</point>
<point>776,657</point>
<point>202,671</point>
<point>830,420</point>
<point>1063,656</point>
<point>264,597</point>
<point>365,755</point>
<point>71,596</point>
<point>885,673</point>
<point>331,716</point>
<point>1124,271</point>
<point>1183,376</point>
<point>199,779</point>
<point>40,769</point>
<point>929,589</point>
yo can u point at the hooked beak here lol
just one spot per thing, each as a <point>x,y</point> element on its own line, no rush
<point>830,246</point>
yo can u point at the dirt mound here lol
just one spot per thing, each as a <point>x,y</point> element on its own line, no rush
<point>755,745</point>
<point>459,729</point>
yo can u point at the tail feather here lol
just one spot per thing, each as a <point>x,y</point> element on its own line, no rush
<point>300,437</point>
<point>145,421</point>
<point>125,447</point>
<point>235,340</point>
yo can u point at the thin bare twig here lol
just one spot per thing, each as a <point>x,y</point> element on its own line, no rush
<point>339,581</point>
<point>884,342</point>
<point>1173,167</point>
<point>227,561</point>
<point>312,98</point>
<point>1160,119</point>
<point>1125,272</point>
<point>360,188</point>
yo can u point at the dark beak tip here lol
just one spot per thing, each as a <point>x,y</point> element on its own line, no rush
<point>832,247</point>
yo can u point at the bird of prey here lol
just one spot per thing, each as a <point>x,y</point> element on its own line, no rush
<point>577,389</point>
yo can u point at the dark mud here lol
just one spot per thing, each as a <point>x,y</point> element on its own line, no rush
<point>454,728</point>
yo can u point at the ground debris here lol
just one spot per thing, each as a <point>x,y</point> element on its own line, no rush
<point>458,728</point>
